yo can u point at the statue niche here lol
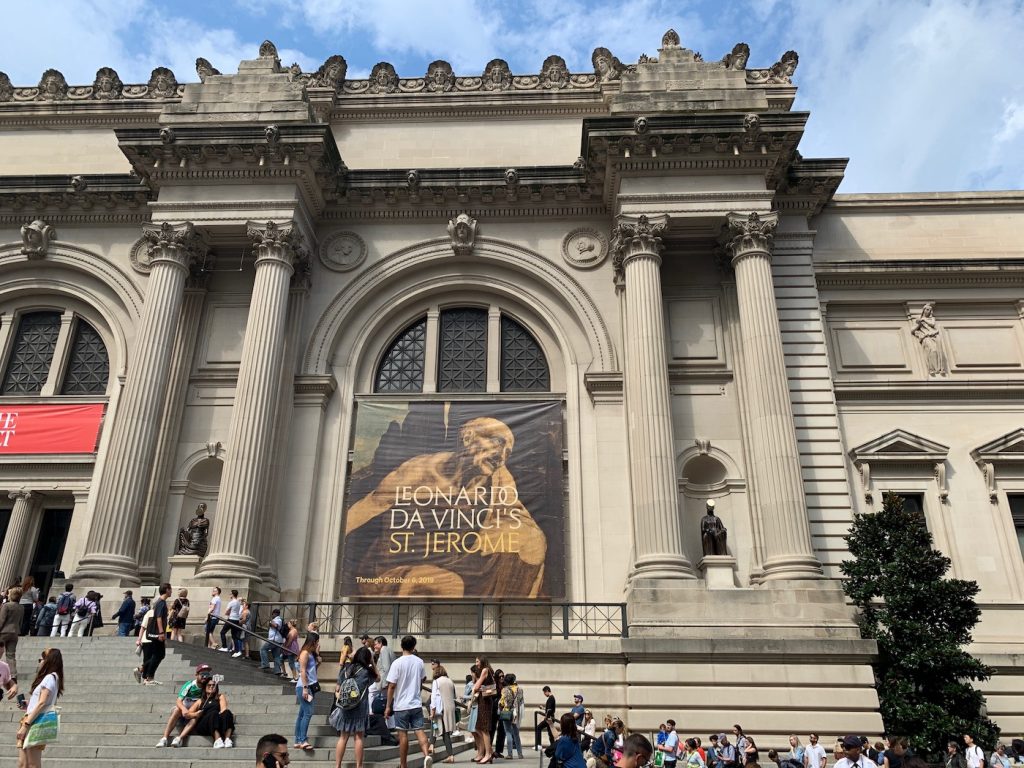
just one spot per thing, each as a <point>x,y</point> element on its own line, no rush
<point>194,538</point>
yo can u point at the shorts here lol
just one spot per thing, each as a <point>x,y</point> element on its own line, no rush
<point>409,720</point>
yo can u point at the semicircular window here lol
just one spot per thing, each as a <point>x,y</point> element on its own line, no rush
<point>401,369</point>
<point>523,365</point>
<point>88,364</point>
<point>32,353</point>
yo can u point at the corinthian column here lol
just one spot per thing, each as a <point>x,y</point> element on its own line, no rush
<point>113,539</point>
<point>652,474</point>
<point>245,482</point>
<point>773,450</point>
<point>15,548</point>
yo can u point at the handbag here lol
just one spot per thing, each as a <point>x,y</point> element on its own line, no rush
<point>43,731</point>
<point>505,715</point>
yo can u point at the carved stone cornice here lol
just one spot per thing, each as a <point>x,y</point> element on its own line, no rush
<point>275,242</point>
<point>66,198</point>
<point>749,235</point>
<point>176,244</point>
<point>635,239</point>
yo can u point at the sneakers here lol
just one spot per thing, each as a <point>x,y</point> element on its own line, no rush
<point>428,761</point>
<point>176,741</point>
<point>228,743</point>
<point>218,744</point>
<point>223,650</point>
<point>138,674</point>
<point>236,654</point>
<point>162,742</point>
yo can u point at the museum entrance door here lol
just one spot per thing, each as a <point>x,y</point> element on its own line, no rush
<point>49,549</point>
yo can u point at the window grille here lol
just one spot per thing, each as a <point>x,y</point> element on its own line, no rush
<point>401,370</point>
<point>523,366</point>
<point>88,364</point>
<point>462,356</point>
<point>32,353</point>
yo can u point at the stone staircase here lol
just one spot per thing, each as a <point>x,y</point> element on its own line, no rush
<point>107,718</point>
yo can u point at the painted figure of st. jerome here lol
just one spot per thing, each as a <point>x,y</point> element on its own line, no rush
<point>449,524</point>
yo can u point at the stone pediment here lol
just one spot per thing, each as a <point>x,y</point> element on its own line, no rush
<point>900,446</point>
<point>1008,447</point>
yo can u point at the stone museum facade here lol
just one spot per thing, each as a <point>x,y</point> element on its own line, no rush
<point>474,338</point>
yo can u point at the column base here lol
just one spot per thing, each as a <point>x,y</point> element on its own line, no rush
<point>661,567</point>
<point>107,570</point>
<point>228,566</point>
<point>719,571</point>
<point>791,568</point>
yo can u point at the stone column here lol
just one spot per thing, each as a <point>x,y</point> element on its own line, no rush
<point>151,566</point>
<point>657,541</point>
<point>13,553</point>
<point>113,539</point>
<point>773,453</point>
<point>245,482</point>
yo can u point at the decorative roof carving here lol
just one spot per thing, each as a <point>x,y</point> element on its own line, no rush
<point>737,58</point>
<point>268,50</point>
<point>670,39</point>
<point>497,76</point>
<point>107,85</point>
<point>554,73</point>
<point>204,69</point>
<point>162,84</point>
<point>35,238</point>
<point>439,77</point>
<point>331,73</point>
<point>52,86</point>
<point>782,71</point>
<point>383,78</point>
<point>606,67</point>
<point>6,89</point>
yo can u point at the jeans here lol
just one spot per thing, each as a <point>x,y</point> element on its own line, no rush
<point>60,625</point>
<point>512,738</point>
<point>305,715</point>
<point>236,638</point>
<point>11,643</point>
<point>268,652</point>
<point>124,628</point>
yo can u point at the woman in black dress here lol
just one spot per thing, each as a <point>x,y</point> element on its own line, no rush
<point>484,689</point>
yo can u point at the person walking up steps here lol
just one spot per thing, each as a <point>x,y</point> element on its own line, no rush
<point>39,726</point>
<point>404,679</point>
<point>212,616</point>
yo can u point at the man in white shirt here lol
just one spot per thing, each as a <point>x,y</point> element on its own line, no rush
<point>212,617</point>
<point>853,758</point>
<point>671,745</point>
<point>973,755</point>
<point>404,679</point>
<point>815,755</point>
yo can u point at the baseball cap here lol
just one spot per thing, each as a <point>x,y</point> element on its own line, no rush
<point>578,696</point>
<point>202,668</point>
<point>849,742</point>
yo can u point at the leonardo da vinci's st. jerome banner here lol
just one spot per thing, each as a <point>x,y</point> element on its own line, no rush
<point>457,499</point>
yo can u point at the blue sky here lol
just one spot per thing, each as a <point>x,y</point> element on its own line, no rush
<point>922,95</point>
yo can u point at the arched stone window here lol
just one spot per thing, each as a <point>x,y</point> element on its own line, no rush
<point>53,352</point>
<point>453,351</point>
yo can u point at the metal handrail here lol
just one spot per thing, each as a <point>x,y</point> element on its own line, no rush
<point>611,620</point>
<point>251,633</point>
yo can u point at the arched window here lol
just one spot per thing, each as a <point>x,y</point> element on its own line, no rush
<point>35,341</point>
<point>53,352</point>
<point>462,359</point>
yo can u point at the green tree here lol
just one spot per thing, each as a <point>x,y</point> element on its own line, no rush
<point>921,622</point>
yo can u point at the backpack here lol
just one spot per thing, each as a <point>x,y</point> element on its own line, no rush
<point>183,611</point>
<point>82,608</point>
<point>65,604</point>
<point>350,696</point>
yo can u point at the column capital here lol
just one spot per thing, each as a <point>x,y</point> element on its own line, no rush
<point>276,242</point>
<point>20,494</point>
<point>632,238</point>
<point>749,234</point>
<point>177,244</point>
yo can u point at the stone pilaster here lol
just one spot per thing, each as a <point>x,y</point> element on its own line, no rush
<point>13,553</point>
<point>151,570</point>
<point>773,452</point>
<point>245,482</point>
<point>113,540</point>
<point>658,547</point>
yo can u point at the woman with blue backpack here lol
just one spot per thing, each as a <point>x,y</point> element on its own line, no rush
<point>351,714</point>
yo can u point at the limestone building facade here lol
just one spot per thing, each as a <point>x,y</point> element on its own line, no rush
<point>246,290</point>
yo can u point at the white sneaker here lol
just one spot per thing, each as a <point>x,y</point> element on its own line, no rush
<point>236,654</point>
<point>228,743</point>
<point>428,761</point>
<point>162,743</point>
<point>176,741</point>
<point>218,744</point>
<point>223,650</point>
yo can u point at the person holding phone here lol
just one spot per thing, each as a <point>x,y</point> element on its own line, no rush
<point>272,751</point>
<point>307,686</point>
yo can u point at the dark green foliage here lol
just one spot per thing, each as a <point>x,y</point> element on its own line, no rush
<point>921,621</point>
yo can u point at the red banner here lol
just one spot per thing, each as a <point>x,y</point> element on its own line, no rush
<point>39,429</point>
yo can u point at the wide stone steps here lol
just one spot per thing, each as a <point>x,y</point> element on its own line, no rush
<point>107,718</point>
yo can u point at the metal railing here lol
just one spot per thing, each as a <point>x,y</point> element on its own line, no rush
<point>454,618</point>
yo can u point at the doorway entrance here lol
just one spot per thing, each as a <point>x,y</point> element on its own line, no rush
<point>53,535</point>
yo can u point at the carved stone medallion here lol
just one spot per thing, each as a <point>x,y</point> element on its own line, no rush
<point>343,251</point>
<point>139,256</point>
<point>585,248</point>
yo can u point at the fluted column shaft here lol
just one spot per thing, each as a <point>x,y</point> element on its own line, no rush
<point>245,481</point>
<point>657,538</point>
<point>150,570</point>
<point>13,553</point>
<point>774,453</point>
<point>113,539</point>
